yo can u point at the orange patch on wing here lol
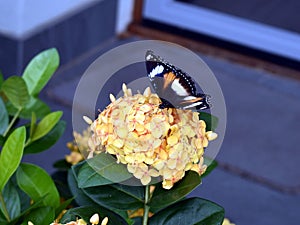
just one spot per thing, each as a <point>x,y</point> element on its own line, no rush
<point>193,100</point>
<point>169,78</point>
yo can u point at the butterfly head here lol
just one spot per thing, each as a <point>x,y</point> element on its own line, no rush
<point>150,56</point>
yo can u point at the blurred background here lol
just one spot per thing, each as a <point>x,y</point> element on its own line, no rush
<point>253,49</point>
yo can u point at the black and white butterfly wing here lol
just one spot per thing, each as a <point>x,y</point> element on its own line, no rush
<point>175,88</point>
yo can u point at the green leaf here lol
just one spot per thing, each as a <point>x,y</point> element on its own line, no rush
<point>12,200</point>
<point>80,197</point>
<point>88,177</point>
<point>42,215</point>
<point>37,106</point>
<point>210,120</point>
<point>3,117</point>
<point>24,198</point>
<point>11,154</point>
<point>190,211</point>
<point>86,212</point>
<point>63,206</point>
<point>60,179</point>
<point>40,108</point>
<point>2,140</point>
<point>27,211</point>
<point>16,91</point>
<point>48,140</point>
<point>2,219</point>
<point>40,69</point>
<point>35,182</point>
<point>83,199</point>
<point>162,198</point>
<point>107,167</point>
<point>212,164</point>
<point>117,196</point>
<point>46,124</point>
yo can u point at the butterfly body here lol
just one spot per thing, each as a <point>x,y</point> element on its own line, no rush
<point>175,88</point>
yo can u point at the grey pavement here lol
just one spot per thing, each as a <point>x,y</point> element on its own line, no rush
<point>258,179</point>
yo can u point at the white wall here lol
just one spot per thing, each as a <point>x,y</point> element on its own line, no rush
<point>19,18</point>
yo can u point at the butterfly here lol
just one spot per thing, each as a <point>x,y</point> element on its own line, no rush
<point>175,88</point>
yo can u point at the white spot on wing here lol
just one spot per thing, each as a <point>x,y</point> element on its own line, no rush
<point>193,105</point>
<point>156,70</point>
<point>178,88</point>
<point>189,98</point>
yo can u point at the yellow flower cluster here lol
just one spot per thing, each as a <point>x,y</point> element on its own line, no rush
<point>151,141</point>
<point>79,147</point>
<point>94,220</point>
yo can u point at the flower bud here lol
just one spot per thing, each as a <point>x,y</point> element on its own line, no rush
<point>211,135</point>
<point>87,120</point>
<point>104,221</point>
<point>94,219</point>
<point>112,97</point>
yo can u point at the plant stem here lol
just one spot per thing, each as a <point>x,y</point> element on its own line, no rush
<point>5,212</point>
<point>27,142</point>
<point>12,122</point>
<point>146,207</point>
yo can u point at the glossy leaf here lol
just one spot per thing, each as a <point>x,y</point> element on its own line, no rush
<point>3,117</point>
<point>117,196</point>
<point>80,197</point>
<point>2,218</point>
<point>210,120</point>
<point>48,140</point>
<point>86,212</point>
<point>88,177</point>
<point>40,69</point>
<point>12,200</point>
<point>24,198</point>
<point>62,207</point>
<point>136,221</point>
<point>42,215</point>
<point>36,105</point>
<point>35,182</point>
<point>27,211</point>
<point>106,165</point>
<point>190,211</point>
<point>46,124</point>
<point>162,198</point>
<point>212,164</point>
<point>15,90</point>
<point>2,140</point>
<point>11,154</point>
<point>60,179</point>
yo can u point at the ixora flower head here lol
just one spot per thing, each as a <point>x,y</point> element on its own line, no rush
<point>151,141</point>
<point>94,220</point>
